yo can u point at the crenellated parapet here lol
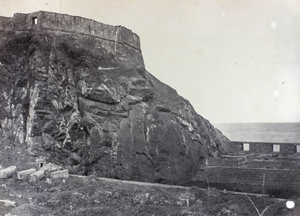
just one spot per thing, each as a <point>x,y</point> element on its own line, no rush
<point>72,24</point>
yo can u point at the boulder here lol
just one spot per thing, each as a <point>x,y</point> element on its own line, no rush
<point>78,94</point>
<point>8,172</point>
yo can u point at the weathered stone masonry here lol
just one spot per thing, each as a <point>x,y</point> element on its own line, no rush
<point>117,36</point>
<point>284,183</point>
<point>264,147</point>
<point>63,22</point>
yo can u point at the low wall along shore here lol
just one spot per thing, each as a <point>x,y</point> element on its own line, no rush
<point>278,183</point>
<point>246,172</point>
<point>264,147</point>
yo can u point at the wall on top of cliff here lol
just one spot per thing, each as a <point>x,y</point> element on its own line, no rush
<point>88,104</point>
<point>74,24</point>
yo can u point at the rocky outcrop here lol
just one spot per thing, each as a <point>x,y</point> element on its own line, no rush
<point>77,93</point>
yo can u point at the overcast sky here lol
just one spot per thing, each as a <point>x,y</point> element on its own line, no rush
<point>235,61</point>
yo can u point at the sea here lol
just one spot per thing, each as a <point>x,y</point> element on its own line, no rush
<point>285,132</point>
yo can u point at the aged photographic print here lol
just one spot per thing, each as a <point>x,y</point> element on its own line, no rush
<point>141,107</point>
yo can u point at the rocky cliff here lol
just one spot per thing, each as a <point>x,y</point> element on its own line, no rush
<point>76,92</point>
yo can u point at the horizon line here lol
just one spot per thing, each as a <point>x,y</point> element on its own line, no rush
<point>292,122</point>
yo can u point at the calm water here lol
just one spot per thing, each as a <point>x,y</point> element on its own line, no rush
<point>261,132</point>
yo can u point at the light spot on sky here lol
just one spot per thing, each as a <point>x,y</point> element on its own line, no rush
<point>273,25</point>
<point>275,93</point>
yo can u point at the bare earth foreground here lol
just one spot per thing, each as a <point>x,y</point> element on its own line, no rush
<point>90,195</point>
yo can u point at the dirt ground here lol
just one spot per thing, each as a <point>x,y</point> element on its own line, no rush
<point>82,195</point>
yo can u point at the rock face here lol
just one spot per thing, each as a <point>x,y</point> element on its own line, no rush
<point>76,92</point>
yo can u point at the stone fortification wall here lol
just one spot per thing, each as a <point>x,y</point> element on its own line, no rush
<point>275,164</point>
<point>5,23</point>
<point>229,162</point>
<point>74,24</point>
<point>262,147</point>
<point>282,183</point>
<point>255,164</point>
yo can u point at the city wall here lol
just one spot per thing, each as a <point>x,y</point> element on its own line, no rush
<point>263,147</point>
<point>274,164</point>
<point>72,24</point>
<point>227,162</point>
<point>276,176</point>
<point>279,183</point>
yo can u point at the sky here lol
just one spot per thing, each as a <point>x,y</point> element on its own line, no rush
<point>234,60</point>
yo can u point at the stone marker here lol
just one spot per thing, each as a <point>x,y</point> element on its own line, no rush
<point>60,174</point>
<point>34,177</point>
<point>186,197</point>
<point>8,172</point>
<point>8,203</point>
<point>22,175</point>
<point>51,167</point>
